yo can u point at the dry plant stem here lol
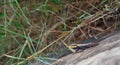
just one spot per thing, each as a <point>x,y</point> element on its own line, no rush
<point>12,51</point>
<point>89,30</point>
<point>100,17</point>
<point>40,51</point>
<point>82,32</point>
<point>85,23</point>
<point>98,29</point>
<point>9,56</point>
<point>93,6</point>
<point>48,31</point>
<point>81,10</point>
<point>68,47</point>
<point>71,32</point>
<point>111,28</point>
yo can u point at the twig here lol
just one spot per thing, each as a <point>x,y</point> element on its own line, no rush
<point>40,51</point>
<point>68,47</point>
<point>10,52</point>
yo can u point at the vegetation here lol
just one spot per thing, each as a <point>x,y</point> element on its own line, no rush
<point>44,29</point>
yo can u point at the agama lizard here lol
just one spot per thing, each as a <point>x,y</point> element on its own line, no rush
<point>81,47</point>
<point>90,42</point>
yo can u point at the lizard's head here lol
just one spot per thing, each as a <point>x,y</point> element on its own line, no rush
<point>73,46</point>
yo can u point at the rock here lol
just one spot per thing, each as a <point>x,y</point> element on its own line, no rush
<point>106,53</point>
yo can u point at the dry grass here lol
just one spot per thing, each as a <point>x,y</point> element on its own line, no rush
<point>35,30</point>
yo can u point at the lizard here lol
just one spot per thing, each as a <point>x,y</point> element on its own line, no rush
<point>90,42</point>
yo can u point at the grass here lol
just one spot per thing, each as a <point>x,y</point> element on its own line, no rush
<point>35,30</point>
